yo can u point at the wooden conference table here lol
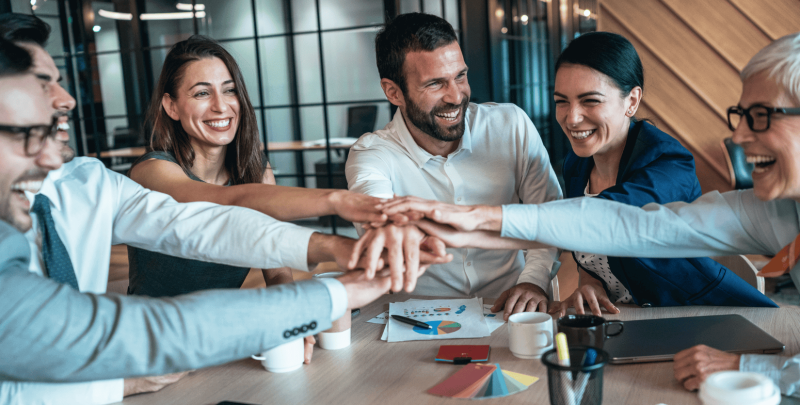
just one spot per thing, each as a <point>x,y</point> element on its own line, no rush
<point>371,371</point>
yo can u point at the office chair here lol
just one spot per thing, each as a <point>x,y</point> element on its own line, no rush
<point>738,168</point>
<point>742,267</point>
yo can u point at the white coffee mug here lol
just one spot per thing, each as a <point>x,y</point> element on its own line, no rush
<point>530,334</point>
<point>338,336</point>
<point>284,358</point>
<point>739,388</point>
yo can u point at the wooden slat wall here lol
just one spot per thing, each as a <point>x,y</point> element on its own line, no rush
<point>692,53</point>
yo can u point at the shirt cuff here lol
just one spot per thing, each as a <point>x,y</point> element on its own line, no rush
<point>530,277</point>
<point>338,296</point>
<point>296,258</point>
<point>108,391</point>
<point>519,221</point>
<point>768,365</point>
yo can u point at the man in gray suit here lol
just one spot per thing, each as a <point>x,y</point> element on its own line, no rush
<point>50,332</point>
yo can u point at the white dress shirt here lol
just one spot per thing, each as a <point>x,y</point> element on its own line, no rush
<point>94,208</point>
<point>499,160</point>
<point>736,222</point>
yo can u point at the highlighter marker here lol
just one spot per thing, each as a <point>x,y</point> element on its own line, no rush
<point>562,349</point>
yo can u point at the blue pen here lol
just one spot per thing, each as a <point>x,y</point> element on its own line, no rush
<point>589,357</point>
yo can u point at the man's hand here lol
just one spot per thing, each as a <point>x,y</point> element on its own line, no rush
<point>461,217</point>
<point>355,207</point>
<point>362,290</point>
<point>150,384</point>
<point>523,297</point>
<point>693,365</point>
<point>590,294</point>
<point>308,351</point>
<point>403,253</point>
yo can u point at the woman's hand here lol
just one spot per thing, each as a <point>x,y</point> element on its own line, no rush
<point>460,217</point>
<point>591,294</point>
<point>356,207</point>
<point>693,365</point>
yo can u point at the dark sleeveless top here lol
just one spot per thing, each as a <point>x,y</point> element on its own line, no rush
<point>159,275</point>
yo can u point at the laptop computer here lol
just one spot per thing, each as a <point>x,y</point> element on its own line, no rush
<point>653,340</point>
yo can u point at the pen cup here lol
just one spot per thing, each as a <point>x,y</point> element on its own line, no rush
<point>338,336</point>
<point>575,384</point>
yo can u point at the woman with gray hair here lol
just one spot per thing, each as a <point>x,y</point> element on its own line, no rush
<point>762,220</point>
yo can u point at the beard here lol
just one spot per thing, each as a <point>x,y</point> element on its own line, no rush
<point>5,209</point>
<point>67,153</point>
<point>12,215</point>
<point>14,205</point>
<point>426,121</point>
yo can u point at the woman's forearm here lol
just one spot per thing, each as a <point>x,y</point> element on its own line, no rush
<point>281,202</point>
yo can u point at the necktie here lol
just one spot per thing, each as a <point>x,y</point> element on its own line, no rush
<point>783,261</point>
<point>56,258</point>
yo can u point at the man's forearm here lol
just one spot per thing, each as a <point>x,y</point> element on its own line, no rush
<point>203,231</point>
<point>84,337</point>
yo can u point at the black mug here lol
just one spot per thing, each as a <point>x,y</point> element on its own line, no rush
<point>587,330</point>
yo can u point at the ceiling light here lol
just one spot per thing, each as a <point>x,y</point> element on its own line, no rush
<point>115,15</point>
<point>524,18</point>
<point>171,16</point>
<point>96,28</point>
<point>188,7</point>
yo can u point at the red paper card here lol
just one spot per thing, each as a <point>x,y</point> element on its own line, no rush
<point>449,353</point>
<point>463,380</point>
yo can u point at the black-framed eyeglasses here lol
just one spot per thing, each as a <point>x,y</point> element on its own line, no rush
<point>35,137</point>
<point>758,116</point>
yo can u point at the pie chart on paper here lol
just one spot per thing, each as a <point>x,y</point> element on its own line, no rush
<point>439,328</point>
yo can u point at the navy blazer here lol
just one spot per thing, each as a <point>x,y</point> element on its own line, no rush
<point>656,168</point>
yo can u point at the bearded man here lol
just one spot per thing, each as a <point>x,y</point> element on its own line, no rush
<point>439,146</point>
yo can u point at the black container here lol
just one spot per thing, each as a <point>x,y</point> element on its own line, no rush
<point>561,380</point>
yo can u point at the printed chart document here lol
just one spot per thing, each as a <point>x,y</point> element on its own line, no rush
<point>449,319</point>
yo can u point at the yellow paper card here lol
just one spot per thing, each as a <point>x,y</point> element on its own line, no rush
<point>525,380</point>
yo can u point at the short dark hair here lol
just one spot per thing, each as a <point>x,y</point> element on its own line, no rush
<point>14,60</point>
<point>608,53</point>
<point>16,27</point>
<point>243,155</point>
<point>412,32</point>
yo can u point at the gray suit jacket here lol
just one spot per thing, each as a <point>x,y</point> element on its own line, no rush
<point>51,333</point>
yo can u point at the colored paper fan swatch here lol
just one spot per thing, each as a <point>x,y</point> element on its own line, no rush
<point>479,381</point>
<point>439,328</point>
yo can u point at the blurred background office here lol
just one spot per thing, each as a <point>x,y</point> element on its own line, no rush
<point>309,66</point>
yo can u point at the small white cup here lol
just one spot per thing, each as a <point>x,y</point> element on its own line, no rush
<point>338,336</point>
<point>530,334</point>
<point>284,358</point>
<point>739,388</point>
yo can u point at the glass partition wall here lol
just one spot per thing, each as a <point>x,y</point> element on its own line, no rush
<point>305,64</point>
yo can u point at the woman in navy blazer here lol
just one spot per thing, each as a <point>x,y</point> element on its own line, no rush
<point>599,85</point>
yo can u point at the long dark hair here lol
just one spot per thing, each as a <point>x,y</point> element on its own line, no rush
<point>243,155</point>
<point>608,53</point>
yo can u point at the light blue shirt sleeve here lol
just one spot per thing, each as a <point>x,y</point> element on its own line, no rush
<point>714,224</point>
<point>537,184</point>
<point>784,371</point>
<point>338,297</point>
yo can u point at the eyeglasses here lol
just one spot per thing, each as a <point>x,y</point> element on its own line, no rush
<point>757,116</point>
<point>35,137</point>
